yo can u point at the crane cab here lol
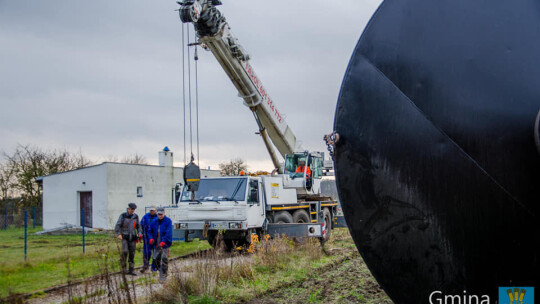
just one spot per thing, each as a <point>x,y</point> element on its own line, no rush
<point>303,171</point>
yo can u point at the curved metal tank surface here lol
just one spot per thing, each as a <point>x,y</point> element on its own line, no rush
<point>437,164</point>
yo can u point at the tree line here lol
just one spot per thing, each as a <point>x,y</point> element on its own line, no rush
<point>235,166</point>
<point>19,170</point>
<point>232,167</point>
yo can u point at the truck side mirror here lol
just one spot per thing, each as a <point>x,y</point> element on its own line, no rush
<point>177,191</point>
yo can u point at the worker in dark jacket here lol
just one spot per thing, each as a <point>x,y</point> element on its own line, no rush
<point>146,222</point>
<point>128,229</point>
<point>161,237</point>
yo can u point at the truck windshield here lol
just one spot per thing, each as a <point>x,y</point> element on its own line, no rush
<point>219,189</point>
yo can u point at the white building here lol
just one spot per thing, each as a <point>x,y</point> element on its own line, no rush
<point>104,191</point>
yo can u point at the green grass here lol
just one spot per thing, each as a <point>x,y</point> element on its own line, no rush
<point>295,270</point>
<point>275,264</point>
<point>205,299</point>
<point>48,257</point>
<point>290,268</point>
<point>314,296</point>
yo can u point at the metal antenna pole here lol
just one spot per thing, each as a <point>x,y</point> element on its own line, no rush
<point>82,212</point>
<point>25,234</point>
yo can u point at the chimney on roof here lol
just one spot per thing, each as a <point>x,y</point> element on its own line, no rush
<point>166,157</point>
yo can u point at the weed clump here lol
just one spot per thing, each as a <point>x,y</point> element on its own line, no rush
<point>109,285</point>
<point>209,277</point>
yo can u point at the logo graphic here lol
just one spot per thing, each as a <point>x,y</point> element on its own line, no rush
<point>516,295</point>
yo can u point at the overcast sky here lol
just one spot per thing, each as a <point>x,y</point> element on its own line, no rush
<point>105,77</point>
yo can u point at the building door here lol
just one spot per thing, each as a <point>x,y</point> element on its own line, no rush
<point>86,205</point>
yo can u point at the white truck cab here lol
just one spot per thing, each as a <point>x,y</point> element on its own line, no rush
<point>224,202</point>
<point>238,206</point>
<point>298,177</point>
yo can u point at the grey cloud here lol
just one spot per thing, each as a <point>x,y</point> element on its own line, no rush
<point>105,76</point>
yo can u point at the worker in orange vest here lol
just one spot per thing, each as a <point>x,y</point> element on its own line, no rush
<point>302,166</point>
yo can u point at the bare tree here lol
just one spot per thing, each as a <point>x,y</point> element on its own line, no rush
<point>6,182</point>
<point>27,162</point>
<point>131,159</point>
<point>233,167</point>
<point>111,159</point>
<point>135,159</point>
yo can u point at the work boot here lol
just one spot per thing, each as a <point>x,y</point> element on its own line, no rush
<point>144,269</point>
<point>132,273</point>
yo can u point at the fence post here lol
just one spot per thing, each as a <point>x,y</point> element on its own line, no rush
<point>82,210</point>
<point>33,217</point>
<point>25,234</point>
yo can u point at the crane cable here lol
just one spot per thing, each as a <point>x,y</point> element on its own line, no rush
<point>184,92</point>
<point>190,94</point>
<point>196,58</point>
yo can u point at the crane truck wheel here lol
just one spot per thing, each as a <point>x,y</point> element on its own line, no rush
<point>300,216</point>
<point>327,224</point>
<point>283,217</point>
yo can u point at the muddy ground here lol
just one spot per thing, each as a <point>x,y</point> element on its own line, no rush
<point>346,282</point>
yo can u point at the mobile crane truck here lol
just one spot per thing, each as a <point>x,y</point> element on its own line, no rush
<point>285,203</point>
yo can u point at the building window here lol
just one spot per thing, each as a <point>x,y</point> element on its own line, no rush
<point>139,191</point>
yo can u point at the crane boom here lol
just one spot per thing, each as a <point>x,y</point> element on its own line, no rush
<point>214,34</point>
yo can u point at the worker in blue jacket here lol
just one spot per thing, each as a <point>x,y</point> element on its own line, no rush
<point>147,248</point>
<point>161,238</point>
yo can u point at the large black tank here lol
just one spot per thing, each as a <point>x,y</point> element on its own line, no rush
<point>437,164</point>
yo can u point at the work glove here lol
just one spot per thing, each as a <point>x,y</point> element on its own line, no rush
<point>162,244</point>
<point>140,237</point>
<point>151,242</point>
